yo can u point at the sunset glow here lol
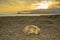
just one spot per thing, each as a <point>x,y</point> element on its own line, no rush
<point>14,6</point>
<point>43,5</point>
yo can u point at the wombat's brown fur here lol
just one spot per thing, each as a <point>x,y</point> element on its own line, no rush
<point>31,29</point>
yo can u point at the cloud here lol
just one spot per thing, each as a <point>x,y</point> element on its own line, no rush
<point>15,5</point>
<point>20,3</point>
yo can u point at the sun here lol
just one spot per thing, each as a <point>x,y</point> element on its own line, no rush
<point>43,5</point>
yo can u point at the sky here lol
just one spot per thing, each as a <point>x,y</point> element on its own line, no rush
<point>13,6</point>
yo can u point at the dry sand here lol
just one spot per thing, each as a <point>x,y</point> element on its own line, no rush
<point>11,27</point>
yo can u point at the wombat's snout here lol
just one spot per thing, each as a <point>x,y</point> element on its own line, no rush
<point>31,29</point>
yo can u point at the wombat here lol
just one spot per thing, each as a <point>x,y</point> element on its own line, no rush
<point>31,29</point>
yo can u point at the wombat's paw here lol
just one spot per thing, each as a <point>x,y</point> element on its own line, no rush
<point>31,29</point>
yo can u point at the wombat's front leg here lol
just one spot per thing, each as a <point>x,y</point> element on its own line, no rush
<point>37,31</point>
